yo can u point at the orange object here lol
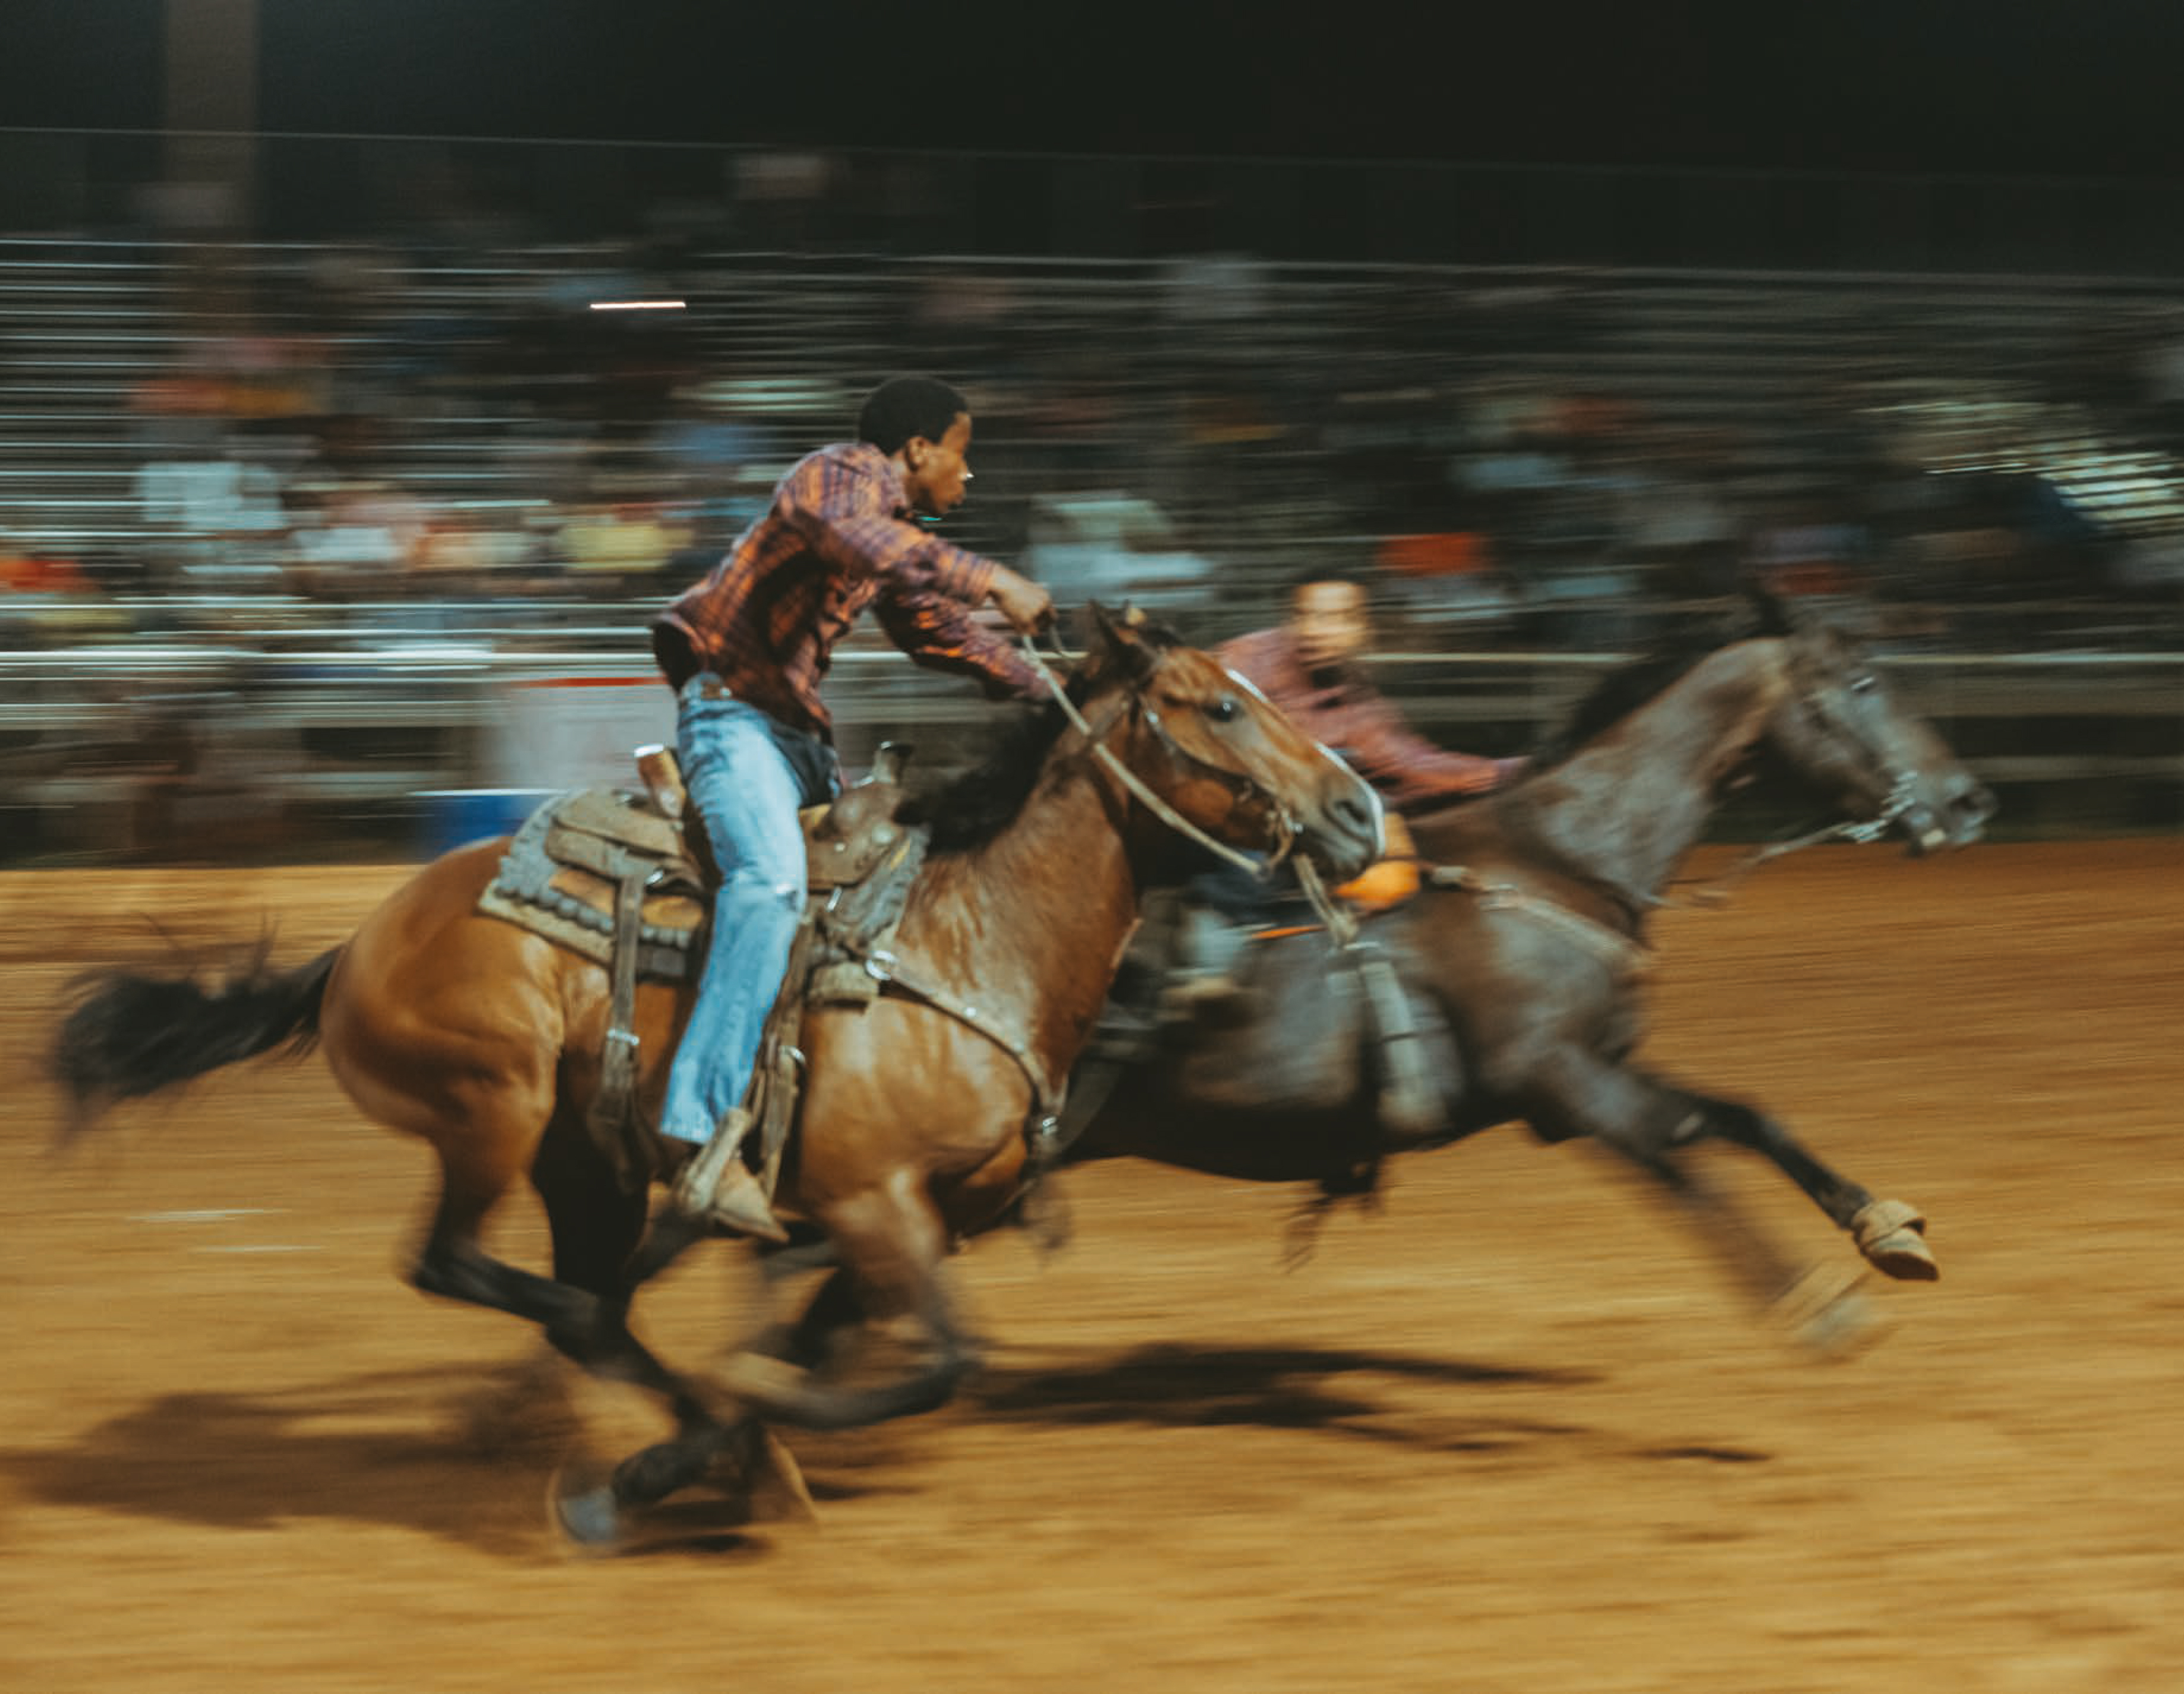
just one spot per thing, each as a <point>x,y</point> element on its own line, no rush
<point>1459,553</point>
<point>1392,879</point>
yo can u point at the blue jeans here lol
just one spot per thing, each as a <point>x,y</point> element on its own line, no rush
<point>747,775</point>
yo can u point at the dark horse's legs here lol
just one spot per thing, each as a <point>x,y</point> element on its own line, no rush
<point>1888,1232</point>
<point>1710,1115</point>
<point>1574,1092</point>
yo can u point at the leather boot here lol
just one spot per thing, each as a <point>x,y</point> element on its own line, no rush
<point>1211,1000</point>
<point>718,1186</point>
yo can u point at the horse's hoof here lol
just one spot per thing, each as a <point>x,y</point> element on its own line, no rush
<point>1892,1237</point>
<point>776,1486</point>
<point>588,1518</point>
<point>1826,1316</point>
<point>1844,1327</point>
<point>755,1471</point>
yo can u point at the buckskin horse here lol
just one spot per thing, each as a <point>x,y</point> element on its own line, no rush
<point>485,1039</point>
<point>1522,957</point>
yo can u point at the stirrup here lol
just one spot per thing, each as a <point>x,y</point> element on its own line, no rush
<point>1213,1000</point>
<point>719,1188</point>
<point>1191,989</point>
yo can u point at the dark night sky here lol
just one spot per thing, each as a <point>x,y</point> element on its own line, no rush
<point>2061,85</point>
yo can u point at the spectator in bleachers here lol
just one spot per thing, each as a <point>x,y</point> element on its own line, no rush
<point>360,539</point>
<point>700,453</point>
<point>1448,579</point>
<point>214,518</point>
<point>619,545</point>
<point>1679,527</point>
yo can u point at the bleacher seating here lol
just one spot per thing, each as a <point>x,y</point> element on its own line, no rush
<point>1753,359</point>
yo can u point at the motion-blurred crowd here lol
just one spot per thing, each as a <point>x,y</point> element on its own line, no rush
<point>348,424</point>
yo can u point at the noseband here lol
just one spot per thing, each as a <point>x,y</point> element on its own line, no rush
<point>1903,782</point>
<point>1902,791</point>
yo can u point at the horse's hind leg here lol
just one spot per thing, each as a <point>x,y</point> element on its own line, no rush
<point>452,1263</point>
<point>594,1223</point>
<point>1577,1093</point>
<point>586,1320</point>
<point>1889,1232</point>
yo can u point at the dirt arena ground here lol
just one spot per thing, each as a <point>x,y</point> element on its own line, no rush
<point>1512,1434</point>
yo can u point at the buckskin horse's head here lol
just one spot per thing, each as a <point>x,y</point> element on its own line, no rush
<point>1840,729</point>
<point>1212,747</point>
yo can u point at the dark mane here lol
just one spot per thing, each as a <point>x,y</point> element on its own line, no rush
<point>1623,690</point>
<point>969,810</point>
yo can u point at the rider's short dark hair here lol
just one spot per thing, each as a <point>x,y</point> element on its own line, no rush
<point>903,406</point>
<point>1312,575</point>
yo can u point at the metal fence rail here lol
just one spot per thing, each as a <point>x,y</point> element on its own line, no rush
<point>101,750</point>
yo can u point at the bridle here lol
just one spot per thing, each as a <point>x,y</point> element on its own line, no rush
<point>1902,795</point>
<point>1047,1094</point>
<point>1903,782</point>
<point>1240,784</point>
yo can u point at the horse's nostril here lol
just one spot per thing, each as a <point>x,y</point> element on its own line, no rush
<point>1355,813</point>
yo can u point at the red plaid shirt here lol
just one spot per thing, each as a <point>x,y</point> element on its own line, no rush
<point>838,538</point>
<point>1348,714</point>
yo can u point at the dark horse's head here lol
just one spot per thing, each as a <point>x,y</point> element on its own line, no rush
<point>1210,746</point>
<point>1839,730</point>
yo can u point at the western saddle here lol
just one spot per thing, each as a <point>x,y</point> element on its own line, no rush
<point>625,877</point>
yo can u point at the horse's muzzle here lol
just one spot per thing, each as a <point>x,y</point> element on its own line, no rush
<point>1349,838</point>
<point>1955,818</point>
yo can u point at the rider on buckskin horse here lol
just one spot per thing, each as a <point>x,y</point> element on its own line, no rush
<point>1307,666</point>
<point>745,651</point>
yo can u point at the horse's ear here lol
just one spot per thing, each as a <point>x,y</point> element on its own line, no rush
<point>1118,638</point>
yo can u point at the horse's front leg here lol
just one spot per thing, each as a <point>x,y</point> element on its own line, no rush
<point>894,1245</point>
<point>1891,1234</point>
<point>1572,1092</point>
<point>730,1446</point>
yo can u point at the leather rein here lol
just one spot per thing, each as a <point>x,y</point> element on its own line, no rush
<point>1238,782</point>
<point>1902,795</point>
<point>885,968</point>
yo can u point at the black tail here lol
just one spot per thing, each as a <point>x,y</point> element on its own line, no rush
<point>131,1036</point>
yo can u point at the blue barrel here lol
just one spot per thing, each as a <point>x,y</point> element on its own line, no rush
<point>454,817</point>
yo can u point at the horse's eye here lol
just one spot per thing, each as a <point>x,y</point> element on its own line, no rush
<point>1223,711</point>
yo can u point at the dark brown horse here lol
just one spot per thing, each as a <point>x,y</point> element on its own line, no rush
<point>1524,957</point>
<point>485,1039</point>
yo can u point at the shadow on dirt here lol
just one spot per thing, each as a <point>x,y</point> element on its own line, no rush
<point>384,1448</point>
<point>395,1447</point>
<point>1282,1388</point>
